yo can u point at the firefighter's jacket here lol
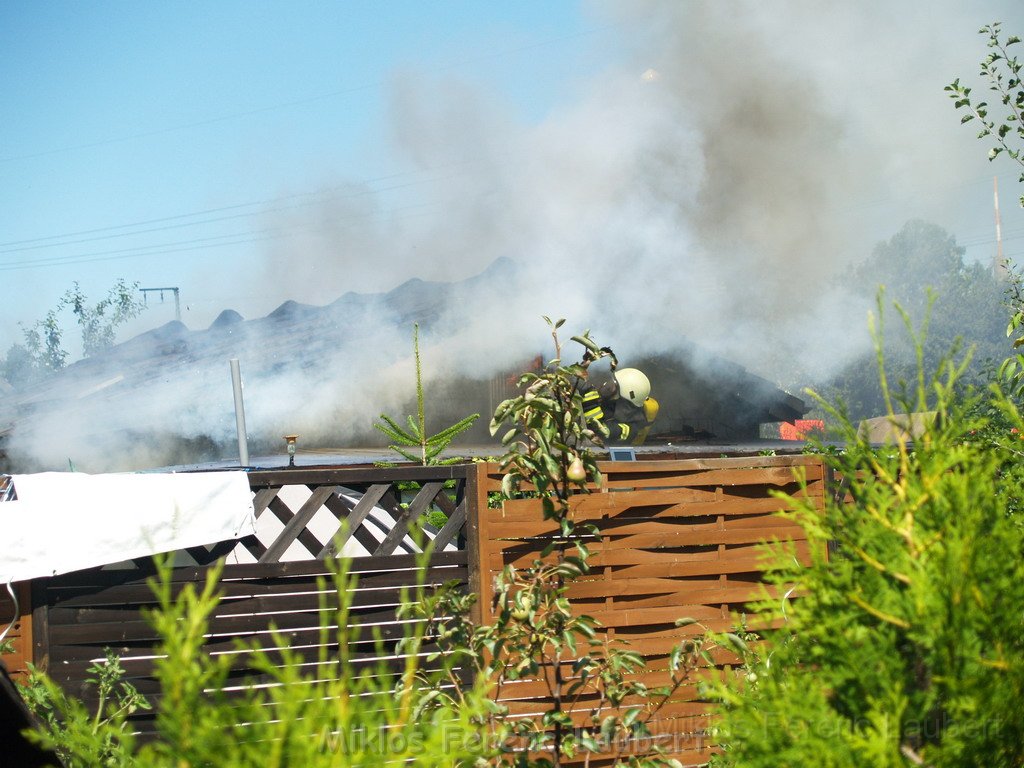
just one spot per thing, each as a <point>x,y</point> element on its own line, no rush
<point>627,424</point>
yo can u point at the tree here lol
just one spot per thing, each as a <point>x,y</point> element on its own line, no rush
<point>1002,71</point>
<point>429,447</point>
<point>99,322</point>
<point>535,633</point>
<point>17,366</point>
<point>922,268</point>
<point>44,352</point>
<point>44,343</point>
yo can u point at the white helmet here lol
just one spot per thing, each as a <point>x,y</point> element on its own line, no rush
<point>633,385</point>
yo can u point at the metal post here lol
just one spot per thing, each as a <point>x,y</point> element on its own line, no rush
<point>177,298</point>
<point>243,442</point>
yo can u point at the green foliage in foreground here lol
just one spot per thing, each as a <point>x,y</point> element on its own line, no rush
<point>80,736</point>
<point>906,646</point>
<point>316,712</point>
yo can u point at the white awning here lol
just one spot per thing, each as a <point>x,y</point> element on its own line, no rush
<point>67,521</point>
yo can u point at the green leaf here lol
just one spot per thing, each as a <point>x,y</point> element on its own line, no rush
<point>608,729</point>
<point>587,342</point>
<point>570,640</point>
<point>508,485</point>
<point>457,428</point>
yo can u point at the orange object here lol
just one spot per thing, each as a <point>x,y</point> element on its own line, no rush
<point>801,429</point>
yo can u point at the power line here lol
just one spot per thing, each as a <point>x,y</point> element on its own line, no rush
<point>185,246</point>
<point>16,246</point>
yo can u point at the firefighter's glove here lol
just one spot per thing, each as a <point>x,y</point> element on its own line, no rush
<point>608,389</point>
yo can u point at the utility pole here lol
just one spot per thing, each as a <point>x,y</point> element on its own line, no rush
<point>999,268</point>
<point>177,302</point>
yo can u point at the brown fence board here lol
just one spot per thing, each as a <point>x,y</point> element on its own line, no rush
<point>644,506</point>
<point>773,476</point>
<point>617,526</point>
<point>137,592</point>
<point>17,620</point>
<point>704,560</point>
<point>138,629</point>
<point>73,670</point>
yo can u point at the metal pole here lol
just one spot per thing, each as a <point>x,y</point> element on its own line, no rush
<point>236,383</point>
<point>177,298</point>
<point>999,268</point>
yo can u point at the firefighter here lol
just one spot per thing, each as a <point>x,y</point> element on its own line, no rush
<point>623,404</point>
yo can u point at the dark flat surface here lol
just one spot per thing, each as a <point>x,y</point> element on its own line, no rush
<point>364,456</point>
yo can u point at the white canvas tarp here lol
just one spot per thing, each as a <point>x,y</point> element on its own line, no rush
<point>66,521</point>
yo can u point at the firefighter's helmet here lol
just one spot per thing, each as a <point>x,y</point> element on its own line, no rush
<point>633,385</point>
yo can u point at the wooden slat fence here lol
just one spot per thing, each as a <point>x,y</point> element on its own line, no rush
<point>676,539</point>
<point>88,612</point>
<point>271,575</point>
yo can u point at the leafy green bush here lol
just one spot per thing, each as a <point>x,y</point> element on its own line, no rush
<point>905,647</point>
<point>76,735</point>
<point>325,713</point>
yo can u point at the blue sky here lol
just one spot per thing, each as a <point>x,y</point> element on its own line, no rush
<point>253,152</point>
<point>121,113</point>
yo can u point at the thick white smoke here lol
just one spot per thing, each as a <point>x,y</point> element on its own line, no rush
<point>708,185</point>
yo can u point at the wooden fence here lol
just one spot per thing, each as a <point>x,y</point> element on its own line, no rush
<point>16,610</point>
<point>676,539</point>
<point>271,576</point>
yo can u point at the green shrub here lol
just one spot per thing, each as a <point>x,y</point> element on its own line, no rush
<point>326,713</point>
<point>906,645</point>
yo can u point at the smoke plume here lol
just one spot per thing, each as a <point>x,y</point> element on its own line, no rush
<point>708,186</point>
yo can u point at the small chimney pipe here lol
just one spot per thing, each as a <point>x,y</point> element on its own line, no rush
<point>243,440</point>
